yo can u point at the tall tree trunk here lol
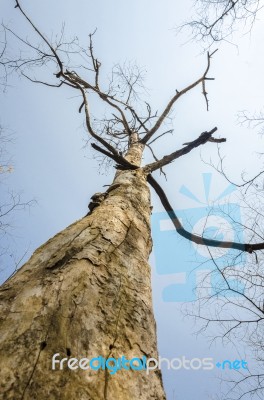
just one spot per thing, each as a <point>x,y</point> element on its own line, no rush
<point>84,293</point>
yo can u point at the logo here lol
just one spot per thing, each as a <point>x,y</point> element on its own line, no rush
<point>182,264</point>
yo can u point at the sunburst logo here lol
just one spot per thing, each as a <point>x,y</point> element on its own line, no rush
<point>182,265</point>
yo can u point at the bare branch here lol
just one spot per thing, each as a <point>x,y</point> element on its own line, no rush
<point>162,134</point>
<point>246,182</point>
<point>89,126</point>
<point>195,238</point>
<point>155,158</point>
<point>42,82</point>
<point>41,35</point>
<point>116,157</point>
<point>202,139</point>
<point>218,18</point>
<point>154,129</point>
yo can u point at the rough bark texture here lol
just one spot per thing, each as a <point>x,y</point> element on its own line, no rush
<point>84,293</point>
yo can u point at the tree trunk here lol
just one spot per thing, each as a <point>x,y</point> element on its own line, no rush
<point>84,293</point>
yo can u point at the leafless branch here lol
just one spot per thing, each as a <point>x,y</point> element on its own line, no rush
<point>202,139</point>
<point>178,94</point>
<point>194,238</point>
<point>217,19</point>
<point>220,169</point>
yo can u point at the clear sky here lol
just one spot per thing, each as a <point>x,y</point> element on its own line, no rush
<point>52,166</point>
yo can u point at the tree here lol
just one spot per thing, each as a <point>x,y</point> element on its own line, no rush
<point>11,202</point>
<point>87,291</point>
<point>218,19</point>
<point>232,312</point>
<point>235,308</point>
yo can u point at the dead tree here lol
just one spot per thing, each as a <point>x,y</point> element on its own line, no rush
<point>87,291</point>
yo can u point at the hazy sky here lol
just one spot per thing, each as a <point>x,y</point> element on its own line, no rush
<point>52,166</point>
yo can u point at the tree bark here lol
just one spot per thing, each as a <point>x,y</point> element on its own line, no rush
<point>85,293</point>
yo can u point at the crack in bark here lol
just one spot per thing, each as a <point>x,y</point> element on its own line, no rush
<point>143,351</point>
<point>31,375</point>
<point>106,381</point>
<point>64,260</point>
<point>69,254</point>
<point>122,241</point>
<point>43,345</point>
<point>111,346</point>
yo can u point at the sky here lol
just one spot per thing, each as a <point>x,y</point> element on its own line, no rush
<point>53,166</point>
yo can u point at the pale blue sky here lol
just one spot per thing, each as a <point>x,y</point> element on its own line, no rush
<point>52,167</point>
